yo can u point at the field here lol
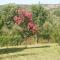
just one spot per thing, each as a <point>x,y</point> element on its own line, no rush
<point>42,52</point>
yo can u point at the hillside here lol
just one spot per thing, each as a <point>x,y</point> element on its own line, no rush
<point>49,6</point>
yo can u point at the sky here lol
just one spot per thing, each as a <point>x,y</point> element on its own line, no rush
<point>30,1</point>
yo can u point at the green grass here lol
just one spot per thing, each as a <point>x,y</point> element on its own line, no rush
<point>51,52</point>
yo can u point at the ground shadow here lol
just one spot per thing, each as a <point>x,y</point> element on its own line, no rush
<point>12,50</point>
<point>38,47</point>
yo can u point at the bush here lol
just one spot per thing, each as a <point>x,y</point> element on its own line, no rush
<point>10,40</point>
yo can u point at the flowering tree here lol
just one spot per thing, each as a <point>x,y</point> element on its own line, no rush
<point>24,16</point>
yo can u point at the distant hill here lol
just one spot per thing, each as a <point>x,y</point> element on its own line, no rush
<point>48,6</point>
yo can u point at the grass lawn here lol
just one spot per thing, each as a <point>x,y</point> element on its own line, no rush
<point>51,52</point>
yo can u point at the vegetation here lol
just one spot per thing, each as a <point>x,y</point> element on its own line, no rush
<point>21,26</point>
<point>18,25</point>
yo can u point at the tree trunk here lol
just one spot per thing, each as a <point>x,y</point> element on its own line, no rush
<point>48,40</point>
<point>37,38</point>
<point>26,42</point>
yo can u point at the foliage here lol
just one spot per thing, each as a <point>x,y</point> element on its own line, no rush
<point>17,24</point>
<point>55,28</point>
<point>40,14</point>
<point>57,12</point>
<point>7,14</point>
<point>10,40</point>
<point>24,18</point>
